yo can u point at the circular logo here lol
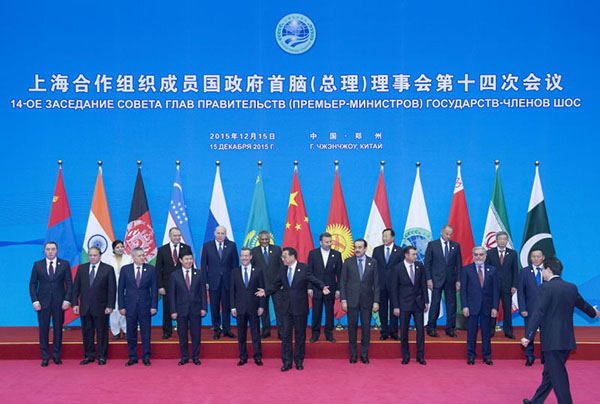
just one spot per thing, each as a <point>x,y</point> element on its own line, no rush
<point>341,239</point>
<point>98,240</point>
<point>295,33</point>
<point>419,238</point>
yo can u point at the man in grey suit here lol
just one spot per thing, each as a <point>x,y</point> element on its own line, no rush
<point>359,291</point>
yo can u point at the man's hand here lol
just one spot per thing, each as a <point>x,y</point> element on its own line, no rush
<point>430,285</point>
<point>37,306</point>
<point>122,311</point>
<point>465,311</point>
<point>375,307</point>
<point>76,310</point>
<point>203,313</point>
<point>524,313</point>
<point>457,286</point>
<point>162,291</point>
<point>597,312</point>
<point>345,306</point>
<point>174,316</point>
<point>310,292</point>
<point>525,342</point>
<point>426,308</point>
<point>234,312</point>
<point>326,290</point>
<point>337,294</point>
<point>494,313</point>
<point>260,292</point>
<point>66,305</point>
<point>260,311</point>
<point>513,291</point>
<point>108,310</point>
<point>153,312</point>
<point>397,312</point>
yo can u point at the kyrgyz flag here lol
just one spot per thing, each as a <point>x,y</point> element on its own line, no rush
<point>139,229</point>
<point>258,220</point>
<point>99,232</point>
<point>61,231</point>
<point>297,230</point>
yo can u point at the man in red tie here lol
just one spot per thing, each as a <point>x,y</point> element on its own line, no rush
<point>479,295</point>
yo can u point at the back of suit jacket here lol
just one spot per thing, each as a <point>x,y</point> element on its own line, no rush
<point>473,296</point>
<point>165,265</point>
<point>508,271</point>
<point>216,267</point>
<point>386,270</point>
<point>271,269</point>
<point>132,297</point>
<point>51,292</point>
<point>187,302</point>
<point>436,267</point>
<point>527,289</point>
<point>329,273</point>
<point>357,292</point>
<point>243,298</point>
<point>101,295</point>
<point>411,297</point>
<point>295,297</point>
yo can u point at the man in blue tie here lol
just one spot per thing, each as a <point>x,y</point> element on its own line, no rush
<point>530,279</point>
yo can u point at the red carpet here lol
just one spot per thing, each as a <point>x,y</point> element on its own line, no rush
<point>220,380</point>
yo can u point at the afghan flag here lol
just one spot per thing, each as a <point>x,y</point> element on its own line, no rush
<point>379,216</point>
<point>99,232</point>
<point>61,231</point>
<point>258,220</point>
<point>297,230</point>
<point>139,229</point>
<point>537,228</point>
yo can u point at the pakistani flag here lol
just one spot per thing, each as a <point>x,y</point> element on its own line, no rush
<point>497,218</point>
<point>537,229</point>
<point>259,214</point>
<point>99,232</point>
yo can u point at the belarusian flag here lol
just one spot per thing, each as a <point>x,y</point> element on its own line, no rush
<point>139,231</point>
<point>379,217</point>
<point>99,232</point>
<point>537,229</point>
<point>258,220</point>
<point>297,230</point>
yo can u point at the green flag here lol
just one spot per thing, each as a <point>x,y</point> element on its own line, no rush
<point>258,219</point>
<point>497,218</point>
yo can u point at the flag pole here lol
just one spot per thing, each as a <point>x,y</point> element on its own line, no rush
<point>139,163</point>
<point>60,164</point>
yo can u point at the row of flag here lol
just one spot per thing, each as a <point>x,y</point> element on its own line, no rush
<point>297,234</point>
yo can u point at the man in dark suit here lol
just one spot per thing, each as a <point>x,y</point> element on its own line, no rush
<point>94,295</point>
<point>530,280</point>
<point>479,295</point>
<point>50,289</point>
<point>553,314</point>
<point>326,265</point>
<point>138,299</point>
<point>412,300</point>
<point>443,263</point>
<point>187,290</point>
<point>359,290</point>
<point>504,259</point>
<point>267,258</point>
<point>218,258</point>
<point>387,255</point>
<point>246,307</point>
<point>294,279</point>
<point>167,262</point>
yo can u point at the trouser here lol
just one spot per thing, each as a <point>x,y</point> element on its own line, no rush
<point>554,377</point>
<point>449,289</point>
<point>385,314</point>
<point>167,321</point>
<point>506,301</point>
<point>529,354</point>
<point>193,322</point>
<point>365,335</point>
<point>297,324</point>
<point>318,300</point>
<point>143,319</point>
<point>279,314</point>
<point>418,317</point>
<point>117,322</point>
<point>220,307</point>
<point>266,317</point>
<point>242,327</point>
<point>482,321</point>
<point>58,318</point>
<point>91,325</point>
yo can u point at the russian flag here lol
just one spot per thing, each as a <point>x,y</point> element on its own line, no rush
<point>217,214</point>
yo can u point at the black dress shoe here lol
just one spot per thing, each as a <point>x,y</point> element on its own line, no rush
<point>229,334</point>
<point>146,362</point>
<point>196,362</point>
<point>330,339</point>
<point>242,362</point>
<point>313,339</point>
<point>265,335</point>
<point>451,334</point>
<point>285,368</point>
<point>421,361</point>
<point>383,337</point>
<point>433,334</point>
<point>44,363</point>
<point>509,336</point>
<point>57,361</point>
<point>86,361</point>
<point>299,366</point>
<point>488,361</point>
<point>527,401</point>
<point>471,361</point>
<point>166,336</point>
<point>405,361</point>
<point>217,335</point>
<point>258,362</point>
<point>353,359</point>
<point>101,362</point>
<point>529,362</point>
<point>116,337</point>
<point>364,360</point>
<point>131,362</point>
<point>124,335</point>
<point>279,336</point>
<point>182,362</point>
<point>394,337</point>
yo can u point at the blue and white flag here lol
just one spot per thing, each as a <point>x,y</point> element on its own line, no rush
<point>217,215</point>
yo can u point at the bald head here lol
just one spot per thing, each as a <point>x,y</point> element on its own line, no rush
<point>220,233</point>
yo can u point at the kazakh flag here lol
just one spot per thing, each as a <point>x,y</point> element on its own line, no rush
<point>258,220</point>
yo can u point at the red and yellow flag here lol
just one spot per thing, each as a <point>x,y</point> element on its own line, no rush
<point>297,230</point>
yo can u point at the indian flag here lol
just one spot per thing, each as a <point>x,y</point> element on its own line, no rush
<point>99,232</point>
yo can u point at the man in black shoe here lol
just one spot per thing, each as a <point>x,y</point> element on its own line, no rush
<point>219,257</point>
<point>267,257</point>
<point>326,264</point>
<point>293,282</point>
<point>359,290</point>
<point>94,295</point>
<point>50,288</point>
<point>188,304</point>
<point>443,264</point>
<point>412,300</point>
<point>504,259</point>
<point>553,314</point>
<point>167,262</point>
<point>387,255</point>
<point>479,295</point>
<point>246,307</point>
<point>530,280</point>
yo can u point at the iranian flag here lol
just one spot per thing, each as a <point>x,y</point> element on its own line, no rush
<point>379,217</point>
<point>99,232</point>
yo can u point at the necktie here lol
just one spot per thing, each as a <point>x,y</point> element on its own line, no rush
<point>92,275</point>
<point>187,279</point>
<point>290,276</point>
<point>221,250</point>
<point>51,270</point>
<point>245,276</point>
<point>266,254</point>
<point>387,254</point>
<point>175,255</point>
<point>480,272</point>
<point>361,269</point>
<point>502,257</point>
<point>412,273</point>
<point>138,276</point>
<point>446,251</point>
<point>538,276</point>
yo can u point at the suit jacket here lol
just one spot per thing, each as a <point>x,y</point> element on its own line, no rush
<point>101,295</point>
<point>143,298</point>
<point>411,297</point>
<point>329,274</point>
<point>186,302</point>
<point>244,299</point>
<point>215,267</point>
<point>387,271</point>
<point>556,300</point>
<point>295,297</point>
<point>508,273</point>
<point>164,263</point>
<point>357,292</point>
<point>527,289</point>
<point>271,270</point>
<point>472,295</point>
<point>436,268</point>
<point>51,292</point>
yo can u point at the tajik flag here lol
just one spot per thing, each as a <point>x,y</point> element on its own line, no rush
<point>417,231</point>
<point>99,232</point>
<point>379,217</point>
<point>537,229</point>
<point>217,213</point>
<point>297,230</point>
<point>139,231</point>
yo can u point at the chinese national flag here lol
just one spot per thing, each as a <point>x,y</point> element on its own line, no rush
<point>297,230</point>
<point>339,228</point>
